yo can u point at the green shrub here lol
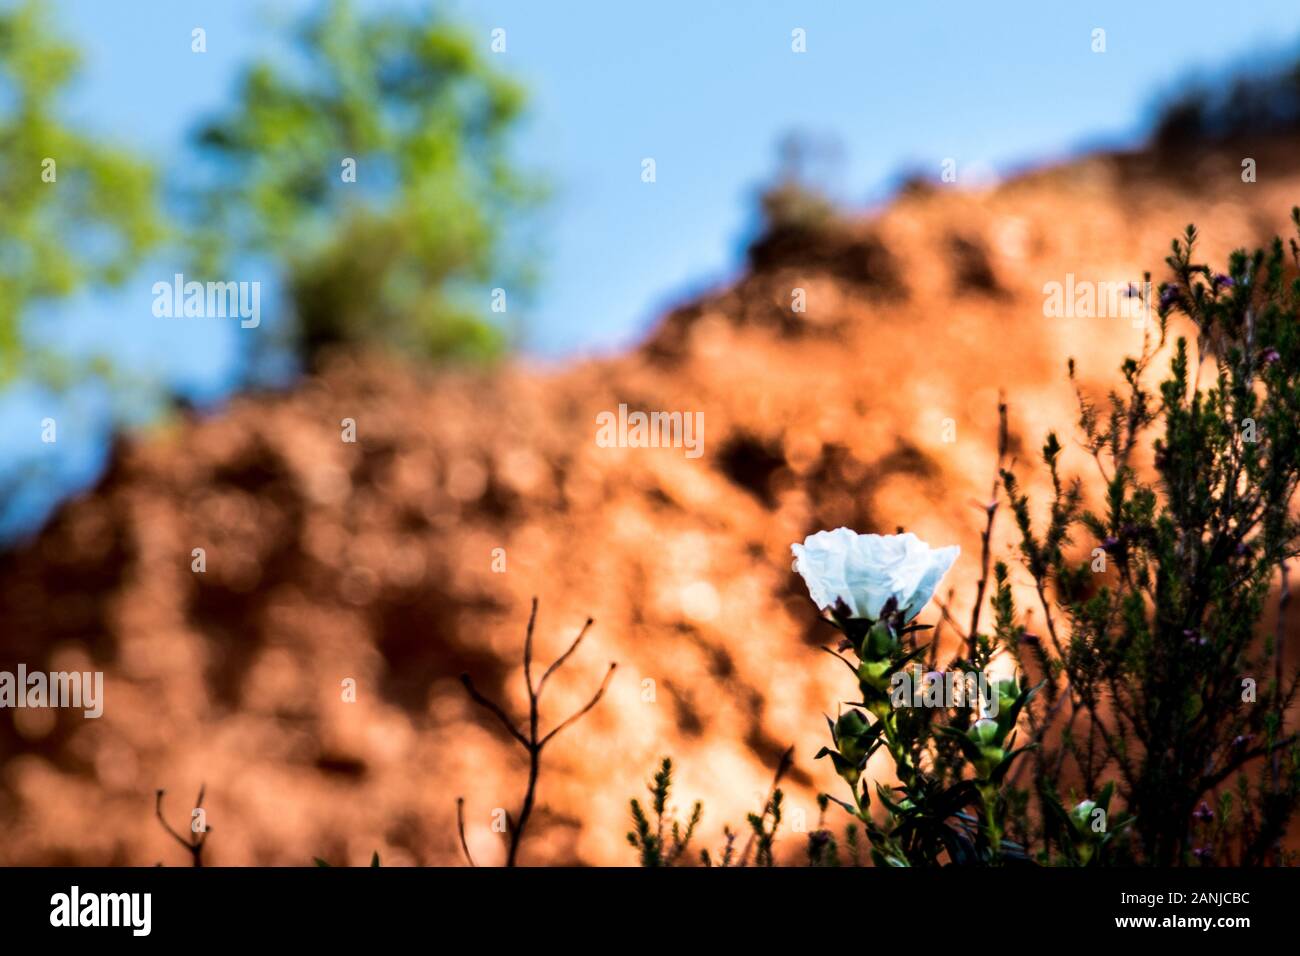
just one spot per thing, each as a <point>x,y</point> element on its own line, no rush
<point>1155,691</point>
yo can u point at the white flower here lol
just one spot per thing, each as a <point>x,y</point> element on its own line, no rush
<point>866,570</point>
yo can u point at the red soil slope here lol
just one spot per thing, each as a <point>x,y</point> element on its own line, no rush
<point>374,560</point>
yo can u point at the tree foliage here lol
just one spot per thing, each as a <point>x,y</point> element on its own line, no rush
<point>398,257</point>
<point>74,211</point>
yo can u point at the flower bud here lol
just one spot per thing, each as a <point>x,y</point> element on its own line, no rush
<point>851,725</point>
<point>1008,692</point>
<point>984,732</point>
<point>987,736</point>
<point>1082,814</point>
<point>874,676</point>
<point>880,643</point>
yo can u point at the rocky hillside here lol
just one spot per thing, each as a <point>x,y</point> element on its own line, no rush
<point>377,560</point>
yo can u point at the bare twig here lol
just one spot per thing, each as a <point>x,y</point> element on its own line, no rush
<point>491,705</point>
<point>590,704</point>
<point>528,648</point>
<point>945,609</point>
<point>1041,733</point>
<point>991,510</point>
<point>1279,645</point>
<point>1213,779</point>
<point>559,661</point>
<point>194,845</point>
<point>460,828</point>
<point>534,741</point>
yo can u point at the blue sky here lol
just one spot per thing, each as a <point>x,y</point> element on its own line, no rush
<point>706,89</point>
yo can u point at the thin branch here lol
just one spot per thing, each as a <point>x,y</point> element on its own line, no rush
<point>460,828</point>
<point>491,705</point>
<point>932,657</point>
<point>945,609</point>
<point>533,742</point>
<point>991,509</point>
<point>1041,733</point>
<point>559,661</point>
<point>528,650</point>
<point>1210,781</point>
<point>157,809</point>
<point>194,845</point>
<point>590,704</point>
<point>1279,645</point>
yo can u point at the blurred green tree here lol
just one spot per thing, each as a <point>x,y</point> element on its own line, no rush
<point>374,173</point>
<point>74,212</point>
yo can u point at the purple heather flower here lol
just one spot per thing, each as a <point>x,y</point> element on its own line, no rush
<point>1203,812</point>
<point>1170,296</point>
<point>1271,356</point>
